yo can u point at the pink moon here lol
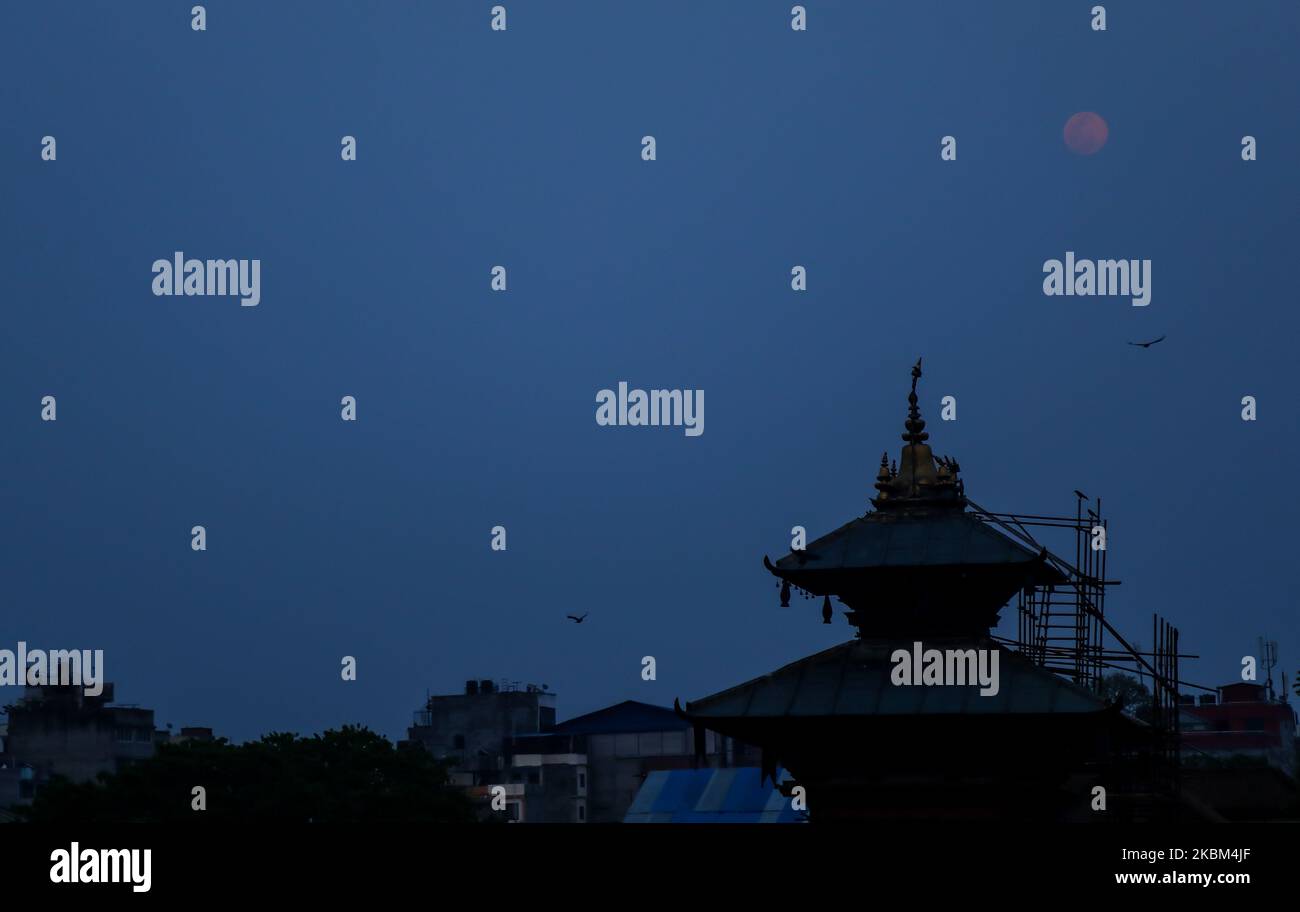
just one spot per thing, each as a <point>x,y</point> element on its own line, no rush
<point>1085,133</point>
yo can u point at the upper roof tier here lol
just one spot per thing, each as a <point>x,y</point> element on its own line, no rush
<point>919,563</point>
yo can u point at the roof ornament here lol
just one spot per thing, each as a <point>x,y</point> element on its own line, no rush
<point>918,480</point>
<point>883,477</point>
<point>915,424</point>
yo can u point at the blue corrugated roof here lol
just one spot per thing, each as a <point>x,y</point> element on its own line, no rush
<point>682,790</point>
<point>732,795</point>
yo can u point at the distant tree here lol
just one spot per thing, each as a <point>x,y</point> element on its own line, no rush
<point>1130,693</point>
<point>350,775</point>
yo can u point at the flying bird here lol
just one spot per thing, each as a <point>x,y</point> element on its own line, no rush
<point>576,619</point>
<point>1148,344</point>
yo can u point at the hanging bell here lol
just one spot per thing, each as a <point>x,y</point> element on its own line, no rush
<point>826,610</point>
<point>785,594</point>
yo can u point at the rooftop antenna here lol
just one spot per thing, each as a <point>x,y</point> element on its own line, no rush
<point>1268,656</point>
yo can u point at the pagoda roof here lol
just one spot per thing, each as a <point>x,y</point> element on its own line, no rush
<point>853,679</point>
<point>881,540</point>
<point>921,563</point>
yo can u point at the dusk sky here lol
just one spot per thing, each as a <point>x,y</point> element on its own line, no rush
<point>476,408</point>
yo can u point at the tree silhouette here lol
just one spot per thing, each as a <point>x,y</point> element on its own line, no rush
<point>350,775</point>
<point>1130,693</point>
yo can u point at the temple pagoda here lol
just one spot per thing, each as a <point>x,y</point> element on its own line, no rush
<point>925,570</point>
<point>919,564</point>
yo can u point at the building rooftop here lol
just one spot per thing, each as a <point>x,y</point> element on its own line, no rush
<point>853,679</point>
<point>623,718</point>
<point>883,540</point>
<point>733,795</point>
<point>919,563</point>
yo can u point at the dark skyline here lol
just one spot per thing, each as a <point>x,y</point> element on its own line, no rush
<point>477,409</point>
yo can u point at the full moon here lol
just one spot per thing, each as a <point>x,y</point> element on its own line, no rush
<point>1085,133</point>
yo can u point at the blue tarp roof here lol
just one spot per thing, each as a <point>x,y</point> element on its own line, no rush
<point>733,795</point>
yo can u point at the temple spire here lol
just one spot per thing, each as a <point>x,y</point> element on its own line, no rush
<point>920,481</point>
<point>883,477</point>
<point>915,424</point>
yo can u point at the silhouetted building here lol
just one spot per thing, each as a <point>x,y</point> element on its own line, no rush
<point>870,732</point>
<point>193,733</point>
<point>58,730</point>
<point>626,742</point>
<point>1240,753</point>
<point>1241,722</point>
<point>472,730</point>
<point>587,769</point>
